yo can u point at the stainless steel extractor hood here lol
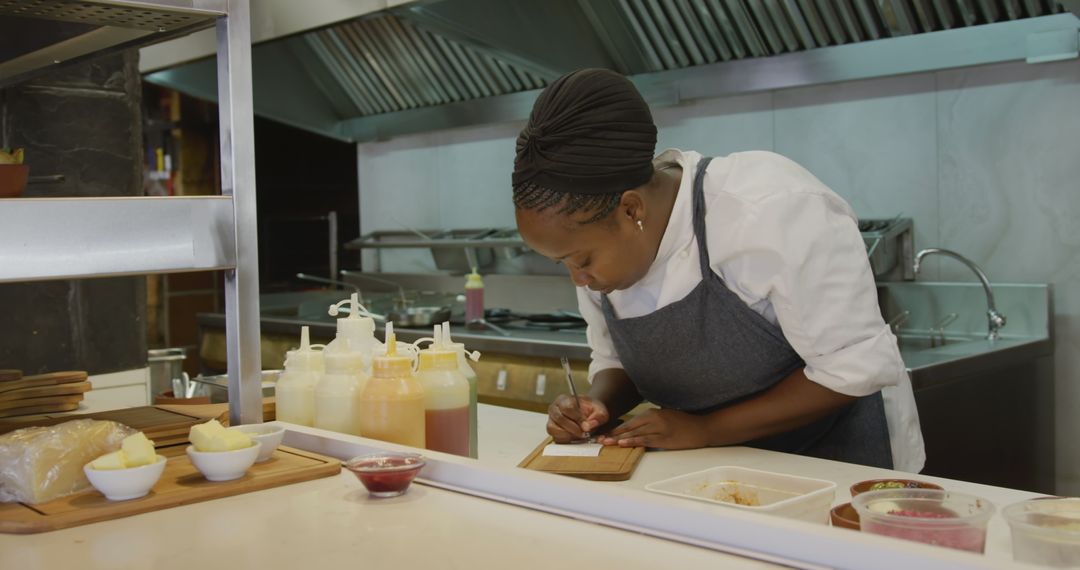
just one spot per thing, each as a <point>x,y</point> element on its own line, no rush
<point>444,63</point>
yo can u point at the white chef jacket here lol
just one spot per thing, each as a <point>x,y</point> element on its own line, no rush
<point>790,248</point>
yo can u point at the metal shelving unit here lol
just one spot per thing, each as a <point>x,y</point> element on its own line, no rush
<point>65,238</point>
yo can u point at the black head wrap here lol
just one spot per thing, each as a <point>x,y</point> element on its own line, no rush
<point>590,132</point>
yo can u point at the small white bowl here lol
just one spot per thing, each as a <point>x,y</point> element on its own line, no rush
<point>124,484</point>
<point>268,435</point>
<point>224,465</point>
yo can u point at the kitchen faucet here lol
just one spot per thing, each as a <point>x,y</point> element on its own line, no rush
<point>995,319</point>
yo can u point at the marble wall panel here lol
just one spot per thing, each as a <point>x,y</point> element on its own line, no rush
<point>873,142</point>
<point>717,127</point>
<point>1010,199</point>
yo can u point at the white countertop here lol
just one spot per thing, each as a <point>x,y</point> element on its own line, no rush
<point>332,521</point>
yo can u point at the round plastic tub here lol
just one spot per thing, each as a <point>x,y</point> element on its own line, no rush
<point>941,518</point>
<point>1045,531</point>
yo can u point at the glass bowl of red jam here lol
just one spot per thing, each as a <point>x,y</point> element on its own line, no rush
<point>941,518</point>
<point>386,474</point>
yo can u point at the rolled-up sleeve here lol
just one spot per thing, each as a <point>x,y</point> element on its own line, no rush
<point>822,291</point>
<point>603,350</point>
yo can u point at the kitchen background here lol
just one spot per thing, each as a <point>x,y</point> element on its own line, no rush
<point>983,159</point>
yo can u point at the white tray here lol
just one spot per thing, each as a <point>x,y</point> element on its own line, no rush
<point>788,496</point>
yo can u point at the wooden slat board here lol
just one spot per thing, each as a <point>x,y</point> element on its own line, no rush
<point>45,391</point>
<point>613,464</point>
<point>180,484</point>
<point>50,379</point>
<point>28,408</point>
<point>7,406</point>
<point>165,427</point>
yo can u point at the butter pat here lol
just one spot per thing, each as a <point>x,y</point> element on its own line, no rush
<point>137,450</point>
<point>110,461</point>
<point>212,436</point>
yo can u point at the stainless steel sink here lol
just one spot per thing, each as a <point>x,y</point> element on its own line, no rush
<point>979,400</point>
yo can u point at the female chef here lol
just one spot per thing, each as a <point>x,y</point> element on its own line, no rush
<point>734,292</point>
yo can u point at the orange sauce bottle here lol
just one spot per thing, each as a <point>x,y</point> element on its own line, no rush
<point>392,403</point>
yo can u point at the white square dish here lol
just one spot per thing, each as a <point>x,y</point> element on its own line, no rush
<point>788,496</point>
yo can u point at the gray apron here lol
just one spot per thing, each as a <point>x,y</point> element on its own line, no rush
<point>710,350</point>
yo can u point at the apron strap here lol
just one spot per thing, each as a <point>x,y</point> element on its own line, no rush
<point>699,215</point>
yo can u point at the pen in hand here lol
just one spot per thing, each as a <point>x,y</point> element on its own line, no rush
<point>573,390</point>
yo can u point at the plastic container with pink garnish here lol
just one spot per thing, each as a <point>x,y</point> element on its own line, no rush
<point>942,518</point>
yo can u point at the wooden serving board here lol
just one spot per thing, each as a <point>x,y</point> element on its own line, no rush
<point>10,405</point>
<point>43,391</point>
<point>30,409</point>
<point>613,464</point>
<point>50,379</point>
<point>180,484</point>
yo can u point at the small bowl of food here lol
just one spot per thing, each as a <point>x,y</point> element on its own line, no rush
<point>882,484</point>
<point>268,435</point>
<point>221,454</point>
<point>1045,531</point>
<point>119,483</point>
<point>844,516</point>
<point>129,472</point>
<point>224,465</point>
<point>941,518</point>
<point>386,474</point>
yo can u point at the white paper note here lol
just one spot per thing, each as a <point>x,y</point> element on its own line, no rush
<point>572,450</point>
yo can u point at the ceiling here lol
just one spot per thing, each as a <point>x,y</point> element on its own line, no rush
<point>445,63</point>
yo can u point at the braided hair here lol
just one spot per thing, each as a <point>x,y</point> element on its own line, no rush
<point>529,196</point>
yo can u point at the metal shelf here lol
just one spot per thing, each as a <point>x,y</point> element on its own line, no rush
<point>55,238</point>
<point>65,238</point>
<point>75,30</point>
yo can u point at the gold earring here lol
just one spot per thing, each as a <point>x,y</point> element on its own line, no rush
<point>640,225</point>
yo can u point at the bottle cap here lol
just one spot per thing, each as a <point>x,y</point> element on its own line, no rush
<point>305,357</point>
<point>358,324</point>
<point>458,346</point>
<point>438,360</point>
<point>391,365</point>
<point>473,280</point>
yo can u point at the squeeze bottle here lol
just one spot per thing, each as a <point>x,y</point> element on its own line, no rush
<point>474,298</point>
<point>337,395</point>
<point>446,404</point>
<point>295,389</point>
<point>360,330</point>
<point>392,404</point>
<point>463,357</point>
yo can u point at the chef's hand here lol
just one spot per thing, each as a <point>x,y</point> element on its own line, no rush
<point>566,425</point>
<point>666,429</point>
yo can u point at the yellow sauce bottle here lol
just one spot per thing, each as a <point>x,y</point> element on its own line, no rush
<point>392,404</point>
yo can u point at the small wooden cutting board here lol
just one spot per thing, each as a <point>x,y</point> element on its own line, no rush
<point>613,464</point>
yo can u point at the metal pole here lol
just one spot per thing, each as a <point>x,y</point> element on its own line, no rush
<point>332,229</point>
<point>235,112</point>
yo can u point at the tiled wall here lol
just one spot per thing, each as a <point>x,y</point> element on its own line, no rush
<point>986,160</point>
